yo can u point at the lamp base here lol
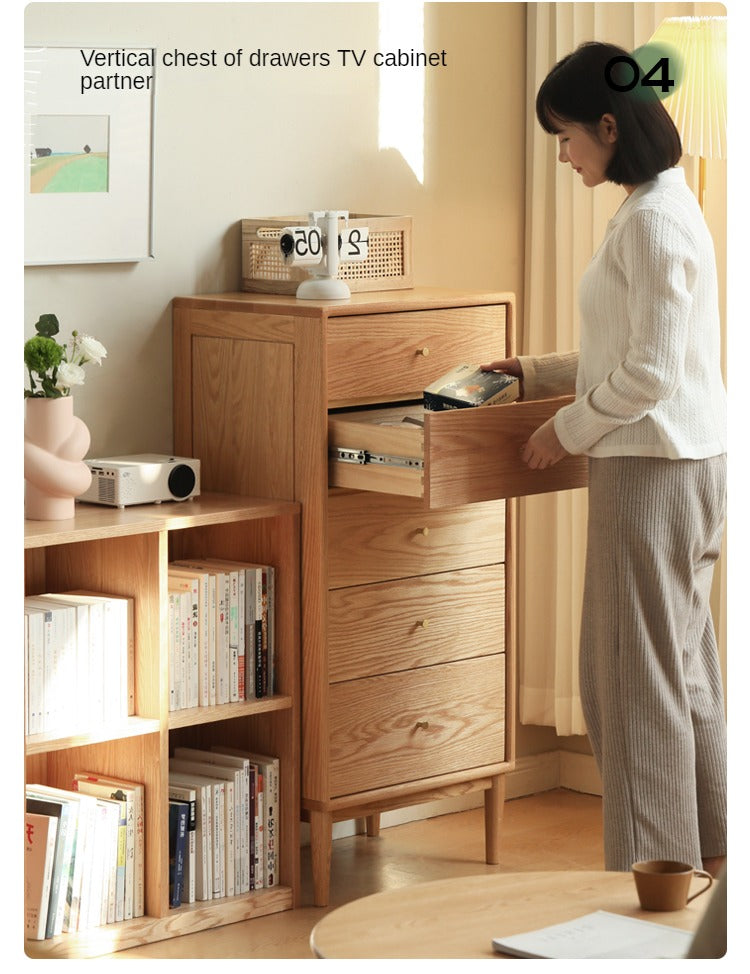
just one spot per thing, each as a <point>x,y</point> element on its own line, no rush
<point>323,288</point>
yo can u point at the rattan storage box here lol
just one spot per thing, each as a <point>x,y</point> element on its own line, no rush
<point>387,267</point>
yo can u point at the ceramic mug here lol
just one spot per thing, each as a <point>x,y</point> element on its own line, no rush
<point>664,885</point>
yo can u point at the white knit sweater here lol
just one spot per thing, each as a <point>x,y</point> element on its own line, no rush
<point>647,378</point>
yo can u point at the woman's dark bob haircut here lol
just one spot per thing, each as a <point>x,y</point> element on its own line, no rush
<point>577,90</point>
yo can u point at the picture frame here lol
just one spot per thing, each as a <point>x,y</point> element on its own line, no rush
<point>88,132</point>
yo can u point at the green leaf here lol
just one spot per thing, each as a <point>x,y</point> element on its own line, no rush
<point>47,325</point>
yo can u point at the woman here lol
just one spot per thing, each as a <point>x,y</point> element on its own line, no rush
<point>649,412</point>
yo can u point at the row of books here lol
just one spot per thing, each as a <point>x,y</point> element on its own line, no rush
<point>79,661</point>
<point>221,632</point>
<point>223,823</point>
<point>84,855</point>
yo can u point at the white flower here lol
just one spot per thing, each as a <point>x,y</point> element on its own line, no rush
<point>69,374</point>
<point>91,349</point>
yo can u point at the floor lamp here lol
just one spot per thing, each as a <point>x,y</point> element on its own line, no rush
<point>698,105</point>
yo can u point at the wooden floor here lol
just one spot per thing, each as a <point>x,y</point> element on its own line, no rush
<point>552,830</point>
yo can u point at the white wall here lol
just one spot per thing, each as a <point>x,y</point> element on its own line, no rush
<point>226,141</point>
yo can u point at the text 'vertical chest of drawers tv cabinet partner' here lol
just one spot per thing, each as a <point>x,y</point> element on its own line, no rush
<point>408,646</point>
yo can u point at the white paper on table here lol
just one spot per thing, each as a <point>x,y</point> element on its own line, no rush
<point>598,935</point>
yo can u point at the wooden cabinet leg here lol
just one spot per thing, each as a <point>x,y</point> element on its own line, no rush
<point>321,839</point>
<point>494,800</point>
<point>373,825</point>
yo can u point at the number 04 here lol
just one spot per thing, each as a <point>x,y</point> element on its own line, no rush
<point>649,80</point>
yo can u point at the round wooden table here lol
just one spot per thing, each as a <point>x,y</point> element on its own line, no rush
<point>459,917</point>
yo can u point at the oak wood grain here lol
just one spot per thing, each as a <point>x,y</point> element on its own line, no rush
<point>413,725</point>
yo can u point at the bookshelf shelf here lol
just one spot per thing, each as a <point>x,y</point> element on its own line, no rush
<point>132,727</point>
<point>127,553</point>
<point>187,919</point>
<point>227,711</point>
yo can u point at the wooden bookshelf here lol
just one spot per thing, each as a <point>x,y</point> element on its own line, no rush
<point>126,552</point>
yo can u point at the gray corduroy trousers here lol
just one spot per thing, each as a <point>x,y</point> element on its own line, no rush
<point>651,683</point>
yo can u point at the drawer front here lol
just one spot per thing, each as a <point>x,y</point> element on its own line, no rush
<point>395,356</point>
<point>386,730</point>
<point>376,537</point>
<point>477,457</point>
<point>401,625</point>
<point>467,455</point>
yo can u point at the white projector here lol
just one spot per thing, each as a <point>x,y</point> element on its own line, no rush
<point>145,478</point>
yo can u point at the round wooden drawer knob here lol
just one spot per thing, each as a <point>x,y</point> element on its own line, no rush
<point>424,531</point>
<point>423,351</point>
<point>423,623</point>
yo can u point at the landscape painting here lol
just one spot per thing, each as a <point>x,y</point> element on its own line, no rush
<point>69,154</point>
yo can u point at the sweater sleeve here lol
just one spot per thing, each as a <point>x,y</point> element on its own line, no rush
<point>546,376</point>
<point>656,258</point>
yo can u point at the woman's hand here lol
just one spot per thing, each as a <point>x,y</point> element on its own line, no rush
<point>510,366</point>
<point>543,449</point>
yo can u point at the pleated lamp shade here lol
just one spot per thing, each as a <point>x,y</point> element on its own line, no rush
<point>698,105</point>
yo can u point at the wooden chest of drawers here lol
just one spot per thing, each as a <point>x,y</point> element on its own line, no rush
<point>408,647</point>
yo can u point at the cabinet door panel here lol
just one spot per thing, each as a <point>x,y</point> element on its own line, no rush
<point>391,626</point>
<point>242,402</point>
<point>376,537</point>
<point>405,726</point>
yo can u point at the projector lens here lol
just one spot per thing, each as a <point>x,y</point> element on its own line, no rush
<point>181,480</point>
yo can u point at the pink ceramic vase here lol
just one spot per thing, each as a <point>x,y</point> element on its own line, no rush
<point>55,443</point>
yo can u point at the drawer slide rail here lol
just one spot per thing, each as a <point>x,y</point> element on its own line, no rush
<point>346,455</point>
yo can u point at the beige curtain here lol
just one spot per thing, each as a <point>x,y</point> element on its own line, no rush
<point>565,222</point>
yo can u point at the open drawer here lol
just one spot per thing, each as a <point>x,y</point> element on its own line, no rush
<point>450,458</point>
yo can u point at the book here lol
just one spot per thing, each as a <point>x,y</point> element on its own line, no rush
<point>189,796</point>
<point>83,853</point>
<point>242,811</point>
<point>229,778</point>
<point>119,652</point>
<point>203,791</point>
<point>180,613</point>
<point>80,665</point>
<point>269,783</point>
<point>39,853</point>
<point>103,865</point>
<point>234,603</point>
<point>53,688</point>
<point>187,773</point>
<point>132,792</point>
<point>259,624</point>
<point>110,858</point>
<point>200,584</point>
<point>60,662</point>
<point>219,626</point>
<point>61,860</point>
<point>123,899</point>
<point>178,817</point>
<point>34,632</point>
<point>467,386</point>
<point>83,649</point>
<point>600,935</point>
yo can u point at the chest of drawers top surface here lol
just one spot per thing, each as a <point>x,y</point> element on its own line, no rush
<point>368,302</point>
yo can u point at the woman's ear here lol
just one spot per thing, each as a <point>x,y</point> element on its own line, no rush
<point>608,128</point>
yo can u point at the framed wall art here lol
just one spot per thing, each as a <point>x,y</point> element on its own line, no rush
<point>88,154</point>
